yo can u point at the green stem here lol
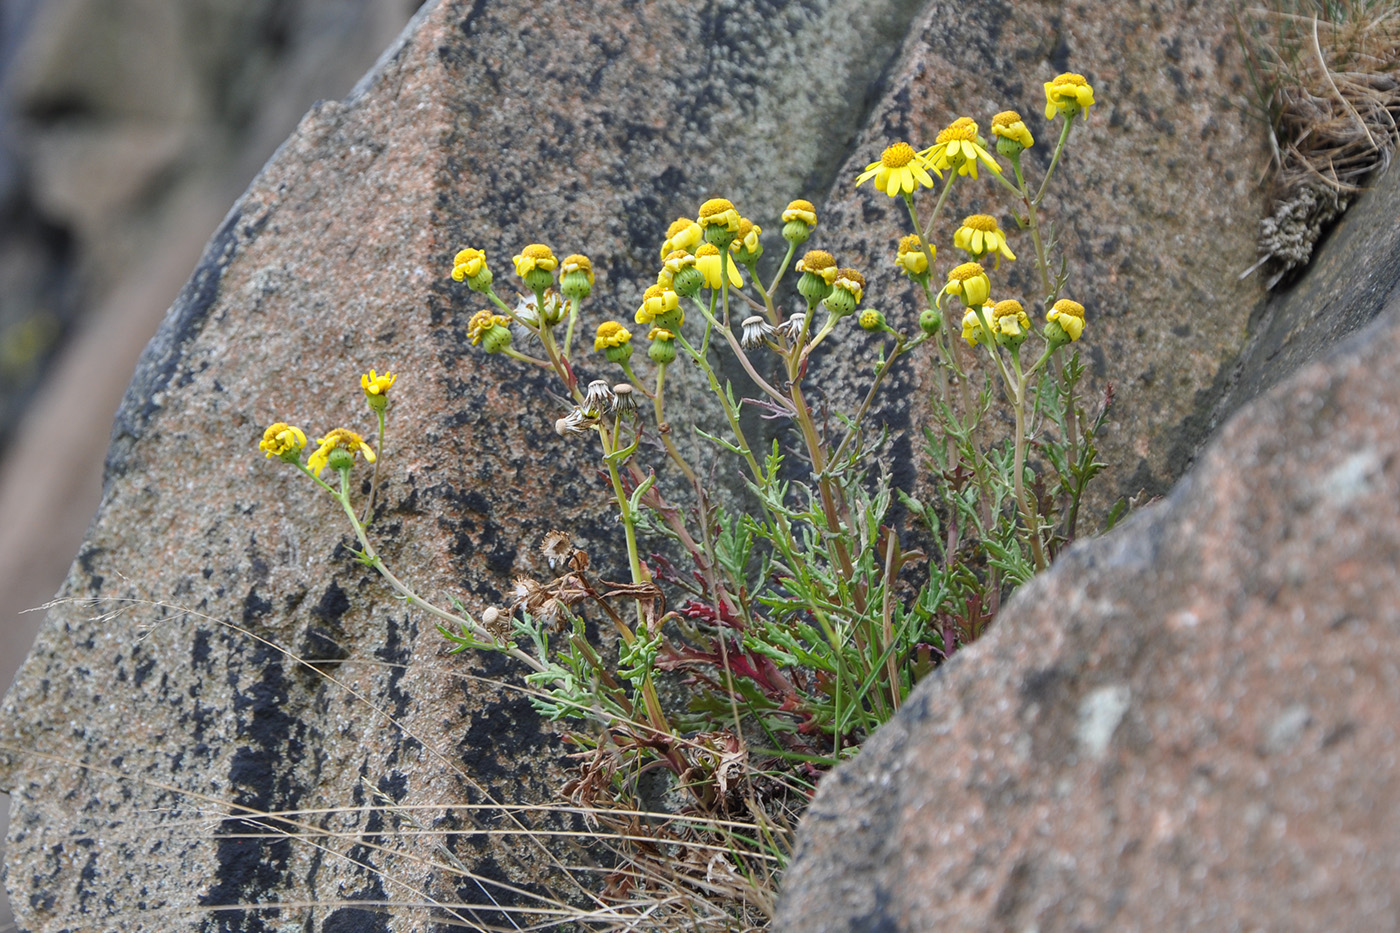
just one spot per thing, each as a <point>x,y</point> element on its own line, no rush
<point>374,478</point>
<point>409,596</point>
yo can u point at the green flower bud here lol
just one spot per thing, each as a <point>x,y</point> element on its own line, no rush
<point>662,350</point>
<point>930,321</point>
<point>688,282</point>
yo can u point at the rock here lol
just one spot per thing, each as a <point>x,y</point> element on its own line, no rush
<point>1187,724</point>
<point>493,125</point>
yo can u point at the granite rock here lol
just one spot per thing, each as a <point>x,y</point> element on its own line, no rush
<point>130,737</point>
<point>1186,724</point>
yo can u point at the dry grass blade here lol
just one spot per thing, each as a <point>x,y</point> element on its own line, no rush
<point>631,870</point>
<point>1327,79</point>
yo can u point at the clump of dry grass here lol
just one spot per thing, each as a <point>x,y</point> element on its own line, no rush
<point>1327,79</point>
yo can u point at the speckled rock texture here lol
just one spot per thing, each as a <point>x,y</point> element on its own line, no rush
<point>1188,724</point>
<point>143,722</point>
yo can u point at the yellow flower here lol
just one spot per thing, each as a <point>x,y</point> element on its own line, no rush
<point>481,322</point>
<point>820,263</point>
<point>1009,319</point>
<point>1069,315</point>
<point>611,334</point>
<point>660,333</point>
<point>1069,94</point>
<point>535,256</point>
<point>980,235</point>
<point>281,438</point>
<point>1009,125</point>
<point>957,148</point>
<point>852,282</point>
<point>377,385</point>
<point>468,263</point>
<point>800,210</point>
<point>674,262</point>
<point>684,234</point>
<point>969,282</point>
<point>708,262</point>
<point>899,171</point>
<point>339,439</point>
<point>718,212</point>
<point>578,263</point>
<point>746,239</point>
<point>972,325</point>
<point>655,301</point>
<point>910,256</point>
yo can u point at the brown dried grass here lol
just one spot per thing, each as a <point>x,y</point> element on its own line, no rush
<point>1327,79</point>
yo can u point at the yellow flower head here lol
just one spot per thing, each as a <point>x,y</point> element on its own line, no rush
<point>577,263</point>
<point>656,300</point>
<point>1009,125</point>
<point>899,171</point>
<point>467,264</point>
<point>1009,319</point>
<point>377,385</point>
<point>684,234</point>
<point>719,212</point>
<point>910,256</point>
<point>675,261</point>
<point>481,322</point>
<point>957,148</point>
<point>851,281</point>
<point>972,330</point>
<point>535,256</point>
<point>969,282</point>
<point>820,263</point>
<point>980,235</point>
<point>746,237</point>
<point>708,262</point>
<point>611,334</point>
<point>1069,94</point>
<point>339,439</point>
<point>800,210</point>
<point>281,438</point>
<point>1069,315</point>
<point>660,333</point>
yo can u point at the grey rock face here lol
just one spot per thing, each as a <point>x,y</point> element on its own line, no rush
<point>1185,725</point>
<point>132,740</point>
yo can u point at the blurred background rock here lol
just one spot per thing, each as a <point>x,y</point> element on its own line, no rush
<point>127,129</point>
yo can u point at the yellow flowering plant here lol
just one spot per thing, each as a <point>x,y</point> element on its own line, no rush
<point>773,629</point>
